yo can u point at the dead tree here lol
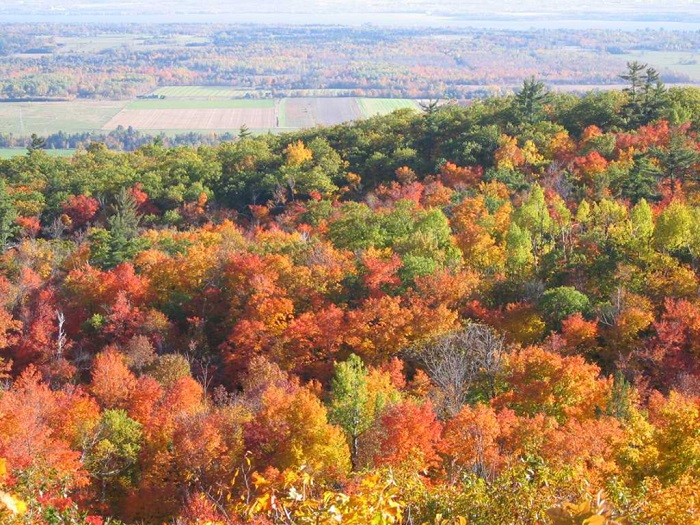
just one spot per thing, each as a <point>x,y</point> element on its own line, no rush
<point>461,360</point>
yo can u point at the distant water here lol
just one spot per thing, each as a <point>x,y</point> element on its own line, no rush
<point>404,20</point>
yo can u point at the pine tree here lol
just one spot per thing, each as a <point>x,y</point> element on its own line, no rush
<point>530,101</point>
<point>36,143</point>
<point>646,95</point>
<point>8,215</point>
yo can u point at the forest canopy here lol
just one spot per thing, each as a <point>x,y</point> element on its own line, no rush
<point>483,314</point>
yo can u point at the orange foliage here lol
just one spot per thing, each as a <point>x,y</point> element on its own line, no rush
<point>454,176</point>
<point>470,442</point>
<point>656,134</point>
<point>563,387</point>
<point>380,327</point>
<point>112,382</point>
<point>30,226</point>
<point>590,133</point>
<point>411,434</point>
<point>520,322</point>
<point>589,167</point>
<point>27,438</point>
<point>476,230</point>
<point>380,271</point>
<point>291,430</point>
<point>580,335</point>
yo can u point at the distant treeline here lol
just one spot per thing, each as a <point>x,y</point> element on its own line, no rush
<point>121,139</point>
<point>88,62</point>
<point>35,99</point>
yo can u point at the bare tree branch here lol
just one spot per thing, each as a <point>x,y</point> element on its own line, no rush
<point>458,359</point>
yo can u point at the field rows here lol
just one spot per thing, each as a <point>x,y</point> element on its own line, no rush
<point>192,119</point>
<point>200,104</point>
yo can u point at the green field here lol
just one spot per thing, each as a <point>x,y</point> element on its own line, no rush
<point>207,92</point>
<point>201,104</point>
<point>8,153</point>
<point>676,61</point>
<point>44,118</point>
<point>281,113</point>
<point>381,106</point>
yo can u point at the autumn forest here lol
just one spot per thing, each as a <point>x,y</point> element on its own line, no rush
<point>465,314</point>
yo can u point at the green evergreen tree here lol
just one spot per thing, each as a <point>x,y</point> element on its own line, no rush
<point>620,402</point>
<point>244,132</point>
<point>647,95</point>
<point>36,143</point>
<point>120,242</point>
<point>530,101</point>
<point>641,180</point>
<point>678,159</point>
<point>8,216</point>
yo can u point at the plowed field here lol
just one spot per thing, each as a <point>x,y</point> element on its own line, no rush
<point>194,119</point>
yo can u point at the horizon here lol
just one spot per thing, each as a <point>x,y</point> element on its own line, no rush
<point>673,14</point>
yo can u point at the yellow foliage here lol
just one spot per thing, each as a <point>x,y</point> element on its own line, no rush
<point>439,520</point>
<point>590,512</point>
<point>297,153</point>
<point>560,143</point>
<point>508,155</point>
<point>531,155</point>
<point>9,502</point>
<point>353,180</point>
<point>478,232</point>
<point>678,504</point>
<point>375,502</point>
<point>14,505</point>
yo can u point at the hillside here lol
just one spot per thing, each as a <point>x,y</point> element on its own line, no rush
<point>484,314</point>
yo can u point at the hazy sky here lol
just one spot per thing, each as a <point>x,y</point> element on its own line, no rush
<point>542,14</point>
<point>445,6</point>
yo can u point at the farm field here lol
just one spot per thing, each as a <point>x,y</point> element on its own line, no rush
<point>194,119</point>
<point>381,106</point>
<point>261,115</point>
<point>207,92</point>
<point>676,61</point>
<point>217,109</point>
<point>8,153</point>
<point>311,112</point>
<point>95,43</point>
<point>25,118</point>
<point>177,115</point>
<point>201,104</point>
